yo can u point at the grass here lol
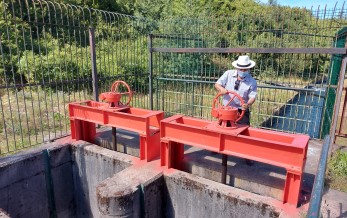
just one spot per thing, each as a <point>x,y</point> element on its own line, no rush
<point>40,115</point>
<point>197,102</point>
<point>31,117</point>
<point>34,115</point>
<point>337,171</point>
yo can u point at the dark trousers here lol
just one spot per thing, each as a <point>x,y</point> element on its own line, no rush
<point>245,119</point>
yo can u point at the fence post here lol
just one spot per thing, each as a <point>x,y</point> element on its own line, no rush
<point>338,101</point>
<point>343,117</point>
<point>93,61</point>
<point>150,65</point>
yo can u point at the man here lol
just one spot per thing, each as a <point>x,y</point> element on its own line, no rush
<point>240,81</point>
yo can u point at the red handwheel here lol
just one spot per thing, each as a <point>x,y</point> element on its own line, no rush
<point>122,88</point>
<point>217,107</point>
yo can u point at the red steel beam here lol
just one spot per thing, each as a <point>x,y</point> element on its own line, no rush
<point>280,149</point>
<point>84,115</point>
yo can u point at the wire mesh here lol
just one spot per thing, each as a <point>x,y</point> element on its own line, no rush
<point>46,64</point>
<point>296,91</point>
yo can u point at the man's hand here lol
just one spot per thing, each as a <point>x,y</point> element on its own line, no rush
<point>245,107</point>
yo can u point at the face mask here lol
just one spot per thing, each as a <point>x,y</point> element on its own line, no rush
<point>242,74</point>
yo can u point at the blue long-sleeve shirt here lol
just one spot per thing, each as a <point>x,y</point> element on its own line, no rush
<point>247,87</point>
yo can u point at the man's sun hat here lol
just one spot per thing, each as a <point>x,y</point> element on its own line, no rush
<point>243,62</point>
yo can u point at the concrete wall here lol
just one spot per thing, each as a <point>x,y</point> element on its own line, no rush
<point>91,181</point>
<point>23,185</point>
<point>77,168</point>
<point>192,196</point>
<point>91,165</point>
<point>134,192</point>
<point>145,191</point>
<point>154,198</point>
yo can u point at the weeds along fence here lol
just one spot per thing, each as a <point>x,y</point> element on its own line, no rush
<point>299,56</point>
<point>54,53</point>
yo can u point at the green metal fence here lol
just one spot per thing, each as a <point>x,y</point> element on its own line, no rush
<point>296,69</point>
<point>54,53</point>
<point>334,77</point>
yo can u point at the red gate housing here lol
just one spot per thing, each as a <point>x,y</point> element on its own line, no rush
<point>84,115</point>
<point>279,149</point>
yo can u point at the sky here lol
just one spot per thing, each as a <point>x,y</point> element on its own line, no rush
<point>308,3</point>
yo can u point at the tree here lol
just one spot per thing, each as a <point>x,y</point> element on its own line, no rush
<point>272,2</point>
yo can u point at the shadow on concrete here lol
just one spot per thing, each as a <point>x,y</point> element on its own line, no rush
<point>81,184</point>
<point>127,141</point>
<point>260,178</point>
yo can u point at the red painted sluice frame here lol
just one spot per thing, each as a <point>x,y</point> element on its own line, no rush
<point>280,149</point>
<point>86,114</point>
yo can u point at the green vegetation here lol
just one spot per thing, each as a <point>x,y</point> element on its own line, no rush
<point>337,171</point>
<point>37,116</point>
<point>57,47</point>
<point>338,163</point>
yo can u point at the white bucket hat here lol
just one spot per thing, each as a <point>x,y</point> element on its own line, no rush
<point>243,62</point>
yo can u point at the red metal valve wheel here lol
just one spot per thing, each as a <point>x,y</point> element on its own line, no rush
<point>217,103</point>
<point>116,87</point>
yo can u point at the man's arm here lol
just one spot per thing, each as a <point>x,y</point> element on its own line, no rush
<point>220,88</point>
<point>249,103</point>
<point>252,96</point>
<point>221,83</point>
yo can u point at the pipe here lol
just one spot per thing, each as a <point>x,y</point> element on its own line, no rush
<point>224,168</point>
<point>114,138</point>
<point>93,61</point>
<point>150,66</point>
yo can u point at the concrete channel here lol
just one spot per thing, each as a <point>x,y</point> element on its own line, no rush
<point>89,180</point>
<point>301,114</point>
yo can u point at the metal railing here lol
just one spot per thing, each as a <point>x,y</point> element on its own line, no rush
<point>318,186</point>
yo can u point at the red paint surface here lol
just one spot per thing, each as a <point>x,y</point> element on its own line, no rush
<point>280,149</point>
<point>85,115</point>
